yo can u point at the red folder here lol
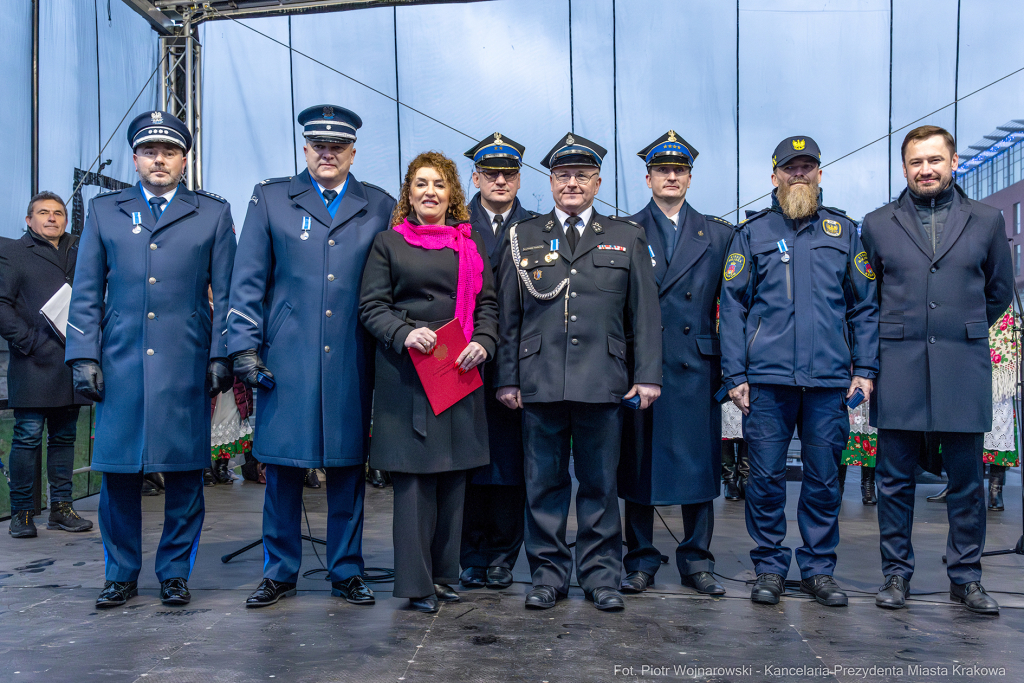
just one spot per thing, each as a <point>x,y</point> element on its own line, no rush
<point>438,372</point>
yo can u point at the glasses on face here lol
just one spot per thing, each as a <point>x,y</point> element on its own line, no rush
<point>582,179</point>
<point>492,176</point>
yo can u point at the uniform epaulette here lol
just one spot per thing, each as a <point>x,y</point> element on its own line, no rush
<point>211,195</point>
<point>622,219</point>
<point>839,212</point>
<point>376,188</point>
<point>107,194</point>
<point>533,214</point>
<point>269,181</point>
<point>752,215</point>
<point>716,219</point>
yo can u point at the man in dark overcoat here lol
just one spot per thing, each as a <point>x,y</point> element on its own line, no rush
<point>572,285</point>
<point>944,277</point>
<point>40,391</point>
<point>494,515</point>
<point>672,453</point>
<point>143,344</point>
<point>295,310</point>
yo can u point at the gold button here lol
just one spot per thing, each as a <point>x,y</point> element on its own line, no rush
<point>151,315</point>
<point>152,280</point>
<point>149,352</point>
<point>331,242</point>
<point>327,349</point>
<point>330,278</point>
<point>153,247</point>
<point>329,314</point>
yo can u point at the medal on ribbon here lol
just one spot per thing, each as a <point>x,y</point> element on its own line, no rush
<point>306,224</point>
<point>136,222</point>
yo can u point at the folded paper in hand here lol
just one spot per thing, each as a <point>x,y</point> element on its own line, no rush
<point>438,372</point>
<point>56,311</point>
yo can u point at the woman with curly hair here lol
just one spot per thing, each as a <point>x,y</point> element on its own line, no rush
<point>429,269</point>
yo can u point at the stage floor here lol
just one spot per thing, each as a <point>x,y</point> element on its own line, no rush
<point>50,630</point>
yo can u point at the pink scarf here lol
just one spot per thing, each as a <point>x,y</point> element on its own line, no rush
<point>471,266</point>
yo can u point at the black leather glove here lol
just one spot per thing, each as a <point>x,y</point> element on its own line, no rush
<point>218,376</point>
<point>246,365</point>
<point>88,379</point>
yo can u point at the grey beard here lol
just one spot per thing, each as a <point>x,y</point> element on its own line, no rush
<point>798,201</point>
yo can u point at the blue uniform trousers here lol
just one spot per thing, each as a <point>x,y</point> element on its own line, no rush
<point>821,416</point>
<point>898,451</point>
<point>282,522</point>
<point>692,553</point>
<point>120,516</point>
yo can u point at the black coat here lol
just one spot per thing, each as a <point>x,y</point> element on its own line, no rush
<point>572,346</point>
<point>405,287</point>
<point>504,426</point>
<point>935,371</point>
<point>31,271</point>
<point>672,452</point>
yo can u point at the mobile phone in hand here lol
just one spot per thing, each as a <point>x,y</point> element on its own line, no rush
<point>633,403</point>
<point>855,400</point>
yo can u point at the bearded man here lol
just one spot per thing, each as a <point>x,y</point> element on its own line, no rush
<point>799,337</point>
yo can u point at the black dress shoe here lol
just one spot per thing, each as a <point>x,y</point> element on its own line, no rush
<point>354,590</point>
<point>175,592</point>
<point>636,582</point>
<point>208,478</point>
<point>116,593</point>
<point>377,479</point>
<point>428,605</point>
<point>939,497</point>
<point>445,593</point>
<point>312,481</point>
<point>974,597</point>
<point>157,479</point>
<point>542,597</point>
<point>704,582</point>
<point>498,578</point>
<point>867,486</point>
<point>768,588</point>
<point>995,496</point>
<point>893,595</point>
<point>474,577</point>
<point>732,489</point>
<point>221,472</point>
<point>148,489</point>
<point>269,592</point>
<point>825,590</point>
<point>606,599</point>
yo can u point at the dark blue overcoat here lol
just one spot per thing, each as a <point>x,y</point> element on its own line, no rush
<point>297,302</point>
<point>672,452</point>
<point>504,426</point>
<point>140,308</point>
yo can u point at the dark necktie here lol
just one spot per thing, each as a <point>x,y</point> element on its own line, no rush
<point>156,204</point>
<point>572,235</point>
<point>498,223</point>
<point>329,196</point>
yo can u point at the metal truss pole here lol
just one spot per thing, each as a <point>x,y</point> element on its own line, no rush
<point>181,88</point>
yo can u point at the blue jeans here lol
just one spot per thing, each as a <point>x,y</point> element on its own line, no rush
<point>27,444</point>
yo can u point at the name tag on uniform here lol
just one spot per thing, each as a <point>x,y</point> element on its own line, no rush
<point>137,222</point>
<point>306,225</point>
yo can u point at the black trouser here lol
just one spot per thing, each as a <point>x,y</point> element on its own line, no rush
<point>492,525</point>
<point>965,501</point>
<point>692,553</point>
<point>594,431</point>
<point>27,445</point>
<point>427,530</point>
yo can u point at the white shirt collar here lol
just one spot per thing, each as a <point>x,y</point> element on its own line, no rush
<point>562,217</point>
<point>322,188</point>
<point>168,196</point>
<point>490,216</point>
<point>675,219</point>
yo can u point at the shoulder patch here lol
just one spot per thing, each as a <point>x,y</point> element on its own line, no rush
<point>271,181</point>
<point>863,265</point>
<point>733,266</point>
<point>832,228</point>
<point>212,196</point>
<point>622,219</point>
<point>380,189</point>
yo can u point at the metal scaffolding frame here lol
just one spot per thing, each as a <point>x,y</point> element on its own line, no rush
<point>181,89</point>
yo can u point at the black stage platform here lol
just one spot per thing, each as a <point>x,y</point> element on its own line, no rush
<point>50,631</point>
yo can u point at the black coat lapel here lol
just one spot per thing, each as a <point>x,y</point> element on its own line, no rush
<point>959,214</point>
<point>590,237</point>
<point>303,193</point>
<point>478,219</point>
<point>655,239</point>
<point>691,244</point>
<point>905,216</point>
<point>44,251</point>
<point>352,203</point>
<point>131,200</point>
<point>183,203</point>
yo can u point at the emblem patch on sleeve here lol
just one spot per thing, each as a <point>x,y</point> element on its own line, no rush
<point>861,261</point>
<point>733,266</point>
<point>832,228</point>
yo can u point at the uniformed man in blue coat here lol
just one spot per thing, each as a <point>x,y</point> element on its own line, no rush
<point>493,518</point>
<point>799,331</point>
<point>140,325</point>
<point>294,309</point>
<point>672,453</point>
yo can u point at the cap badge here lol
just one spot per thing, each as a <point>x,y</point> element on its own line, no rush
<point>569,140</point>
<point>799,144</point>
<point>497,139</point>
<point>672,136</point>
<point>156,117</point>
<point>328,112</point>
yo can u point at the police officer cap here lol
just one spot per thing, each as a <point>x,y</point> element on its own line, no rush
<point>329,123</point>
<point>668,150</point>
<point>573,150</point>
<point>796,146</point>
<point>496,152</point>
<point>158,126</point>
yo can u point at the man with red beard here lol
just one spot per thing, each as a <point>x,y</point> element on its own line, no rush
<point>798,312</point>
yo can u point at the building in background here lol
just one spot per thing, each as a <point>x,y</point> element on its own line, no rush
<point>992,171</point>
